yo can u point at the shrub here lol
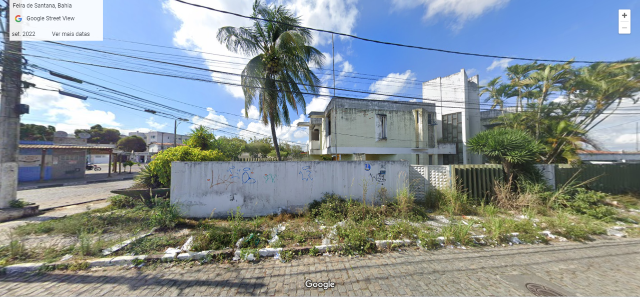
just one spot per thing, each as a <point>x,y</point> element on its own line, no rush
<point>158,172</point>
<point>165,214</point>
<point>590,203</point>
<point>18,203</point>
<point>330,206</point>
<point>120,201</point>
<point>355,240</point>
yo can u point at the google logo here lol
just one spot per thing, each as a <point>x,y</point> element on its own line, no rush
<point>18,18</point>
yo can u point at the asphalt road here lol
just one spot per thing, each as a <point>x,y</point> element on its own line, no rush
<point>63,196</point>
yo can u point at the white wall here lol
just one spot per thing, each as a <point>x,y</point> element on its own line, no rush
<point>205,189</point>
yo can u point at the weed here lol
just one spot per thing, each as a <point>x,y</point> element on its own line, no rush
<point>165,214</point>
<point>286,256</point>
<point>18,203</point>
<point>236,222</point>
<point>314,251</point>
<point>244,254</point>
<point>120,202</point>
<point>355,241</point>
<point>457,234</point>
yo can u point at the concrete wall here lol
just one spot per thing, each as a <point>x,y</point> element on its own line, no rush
<point>29,161</point>
<point>204,189</point>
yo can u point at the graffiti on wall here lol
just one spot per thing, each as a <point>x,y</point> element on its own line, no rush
<point>270,178</point>
<point>224,180</point>
<point>306,173</point>
<point>243,174</point>
<point>380,177</point>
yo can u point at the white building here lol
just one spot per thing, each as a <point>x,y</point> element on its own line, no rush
<point>431,132</point>
<point>457,101</point>
<point>163,139</point>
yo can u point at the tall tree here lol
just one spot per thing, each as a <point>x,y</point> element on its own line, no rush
<point>281,55</point>
<point>201,138</point>
<point>100,135</point>
<point>132,143</point>
<point>517,74</point>
<point>36,132</point>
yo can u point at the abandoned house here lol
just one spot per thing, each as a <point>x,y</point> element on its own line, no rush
<point>430,132</point>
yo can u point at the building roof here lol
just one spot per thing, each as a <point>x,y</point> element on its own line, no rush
<point>166,144</point>
<point>62,146</point>
<point>593,152</point>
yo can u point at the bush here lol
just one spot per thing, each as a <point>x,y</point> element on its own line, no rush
<point>18,203</point>
<point>590,203</point>
<point>120,201</point>
<point>331,206</point>
<point>165,215</point>
<point>158,173</point>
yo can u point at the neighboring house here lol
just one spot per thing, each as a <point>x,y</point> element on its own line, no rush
<point>160,137</point>
<point>362,129</point>
<point>431,132</point>
<point>607,157</point>
<point>157,147</point>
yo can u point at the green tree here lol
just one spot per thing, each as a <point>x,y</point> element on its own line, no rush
<point>157,174</point>
<point>497,92</point>
<point>230,148</point>
<point>281,56</point>
<point>36,132</point>
<point>259,147</point>
<point>132,143</point>
<point>508,147</point>
<point>517,74</point>
<point>201,138</point>
<point>100,135</point>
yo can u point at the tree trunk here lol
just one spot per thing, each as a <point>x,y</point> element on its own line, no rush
<point>275,139</point>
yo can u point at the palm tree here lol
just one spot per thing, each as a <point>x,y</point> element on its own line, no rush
<point>497,92</point>
<point>517,74</point>
<point>281,56</point>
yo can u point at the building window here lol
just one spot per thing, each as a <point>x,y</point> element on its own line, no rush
<point>153,137</point>
<point>417,159</point>
<point>329,125</point>
<point>315,135</point>
<point>381,126</point>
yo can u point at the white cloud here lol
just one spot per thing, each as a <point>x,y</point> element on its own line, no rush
<point>289,133</point>
<point>502,64</point>
<point>240,124</point>
<point>472,72</point>
<point>392,84</point>
<point>212,120</point>
<point>155,125</point>
<point>199,27</point>
<point>67,113</point>
<point>461,10</point>
<point>319,103</point>
<point>332,15</point>
<point>254,114</point>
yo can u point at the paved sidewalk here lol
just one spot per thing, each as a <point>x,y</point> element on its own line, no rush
<point>101,177</point>
<point>602,268</point>
<point>71,195</point>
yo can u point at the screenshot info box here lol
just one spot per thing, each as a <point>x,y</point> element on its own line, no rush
<point>70,20</point>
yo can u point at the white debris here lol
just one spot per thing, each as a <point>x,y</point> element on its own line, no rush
<point>619,228</point>
<point>66,257</point>
<point>443,219</point>
<point>251,257</point>
<point>548,234</point>
<point>239,243</point>
<point>268,252</point>
<point>187,245</point>
<point>620,223</point>
<point>273,240</point>
<point>613,232</point>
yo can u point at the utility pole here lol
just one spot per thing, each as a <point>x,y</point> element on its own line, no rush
<point>175,130</point>
<point>637,137</point>
<point>10,116</point>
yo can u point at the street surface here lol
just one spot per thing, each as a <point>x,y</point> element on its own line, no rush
<point>62,196</point>
<point>606,267</point>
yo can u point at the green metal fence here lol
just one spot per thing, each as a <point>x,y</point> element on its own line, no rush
<point>612,178</point>
<point>476,180</point>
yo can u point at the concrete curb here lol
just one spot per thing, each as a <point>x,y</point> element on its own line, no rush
<point>73,183</point>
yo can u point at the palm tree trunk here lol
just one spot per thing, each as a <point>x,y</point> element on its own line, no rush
<point>275,139</point>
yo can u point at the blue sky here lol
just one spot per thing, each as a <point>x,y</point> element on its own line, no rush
<point>585,30</point>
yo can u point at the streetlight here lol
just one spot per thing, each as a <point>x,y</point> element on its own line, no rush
<point>175,129</point>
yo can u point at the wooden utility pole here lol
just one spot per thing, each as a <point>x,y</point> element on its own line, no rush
<point>9,116</point>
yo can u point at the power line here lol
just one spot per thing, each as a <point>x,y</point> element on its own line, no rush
<point>392,43</point>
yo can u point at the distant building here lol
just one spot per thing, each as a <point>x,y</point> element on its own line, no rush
<point>157,140</point>
<point>607,157</point>
<point>157,147</point>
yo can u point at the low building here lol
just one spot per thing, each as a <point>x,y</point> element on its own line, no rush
<point>608,157</point>
<point>45,160</point>
<point>159,137</point>
<point>157,147</point>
